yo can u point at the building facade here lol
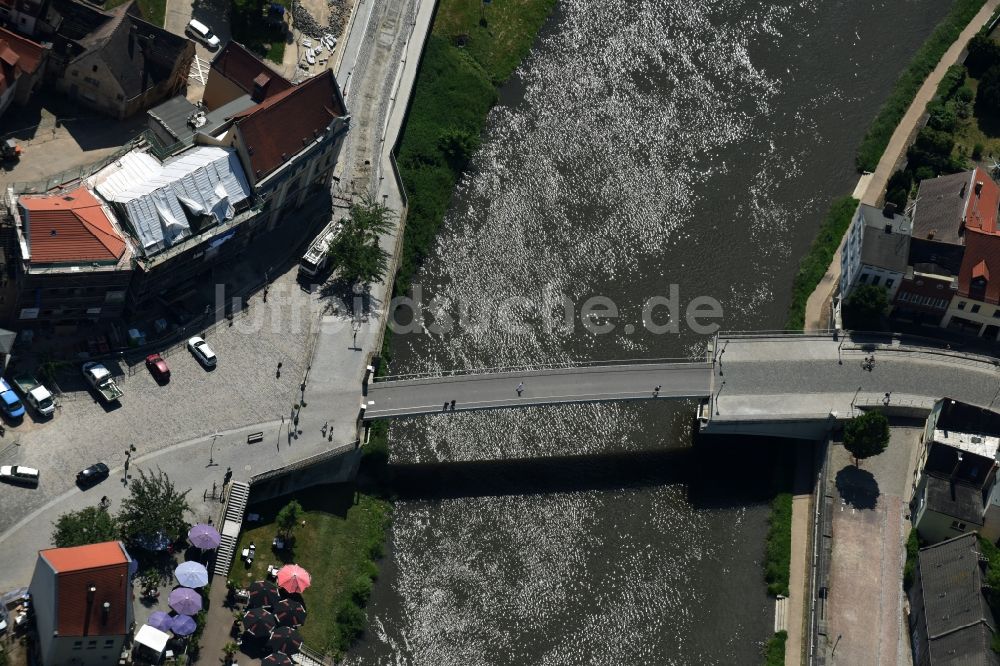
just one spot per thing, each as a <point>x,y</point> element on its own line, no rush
<point>22,67</point>
<point>876,250</point>
<point>82,599</point>
<point>958,490</point>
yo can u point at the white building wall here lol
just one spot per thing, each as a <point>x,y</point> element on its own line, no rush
<point>850,256</point>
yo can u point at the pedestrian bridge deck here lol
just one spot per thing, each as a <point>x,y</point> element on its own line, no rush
<point>746,379</point>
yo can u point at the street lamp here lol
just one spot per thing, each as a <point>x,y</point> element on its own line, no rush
<point>211,451</point>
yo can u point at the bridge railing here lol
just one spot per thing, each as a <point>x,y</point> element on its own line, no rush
<point>530,367</point>
<point>820,332</point>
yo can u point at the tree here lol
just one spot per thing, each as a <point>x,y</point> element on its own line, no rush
<point>984,53</point>
<point>153,507</point>
<point>989,90</point>
<point>84,527</point>
<point>356,250</point>
<point>457,146</point>
<point>864,307</point>
<point>289,517</point>
<point>866,435</point>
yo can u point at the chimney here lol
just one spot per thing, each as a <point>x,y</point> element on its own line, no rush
<point>979,187</point>
<point>889,210</point>
<point>105,612</point>
<point>260,85</point>
<point>888,228</point>
<point>930,234</point>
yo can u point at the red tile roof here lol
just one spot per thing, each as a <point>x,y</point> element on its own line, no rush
<point>981,209</point>
<point>70,228</point>
<point>279,127</point>
<point>101,566</point>
<point>982,238</point>
<point>17,56</point>
<point>245,70</point>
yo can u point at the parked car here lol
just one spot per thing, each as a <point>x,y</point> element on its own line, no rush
<point>35,394</point>
<point>93,474</point>
<point>202,33</point>
<point>19,474</point>
<point>158,368</point>
<point>9,402</point>
<point>100,378</point>
<point>202,351</point>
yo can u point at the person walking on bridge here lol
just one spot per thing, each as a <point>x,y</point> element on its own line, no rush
<point>519,389</point>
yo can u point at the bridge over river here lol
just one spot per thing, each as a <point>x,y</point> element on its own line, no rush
<point>781,384</point>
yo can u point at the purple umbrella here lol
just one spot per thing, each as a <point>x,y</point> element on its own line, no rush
<point>185,600</point>
<point>160,620</point>
<point>204,536</point>
<point>183,625</point>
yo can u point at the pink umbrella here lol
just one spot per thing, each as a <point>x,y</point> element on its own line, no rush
<point>293,578</point>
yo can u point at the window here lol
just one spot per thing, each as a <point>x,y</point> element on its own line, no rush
<point>110,642</point>
<point>77,645</point>
<point>91,645</point>
<point>863,279</point>
<point>961,305</point>
<point>996,313</point>
<point>975,309</point>
<point>889,283</point>
<point>876,280</point>
<point>958,525</point>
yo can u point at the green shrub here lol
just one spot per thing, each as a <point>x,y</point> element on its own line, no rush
<point>977,151</point>
<point>778,553</point>
<point>814,264</point>
<point>774,651</point>
<point>924,173</point>
<point>361,590</point>
<point>912,550</point>
<point>906,87</point>
<point>989,90</point>
<point>864,308</point>
<point>351,621</point>
<point>983,54</point>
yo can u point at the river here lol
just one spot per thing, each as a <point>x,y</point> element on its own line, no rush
<point>642,146</point>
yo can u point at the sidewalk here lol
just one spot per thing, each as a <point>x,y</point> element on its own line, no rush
<point>817,307</point>
<point>798,578</point>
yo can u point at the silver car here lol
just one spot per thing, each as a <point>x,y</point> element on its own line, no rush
<point>202,351</point>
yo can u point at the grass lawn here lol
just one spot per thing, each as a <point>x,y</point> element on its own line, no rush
<point>342,533</point>
<point>511,26</point>
<point>153,11</point>
<point>250,28</point>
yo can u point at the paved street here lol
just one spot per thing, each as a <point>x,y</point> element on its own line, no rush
<point>865,605</point>
<point>808,376</point>
<point>539,387</point>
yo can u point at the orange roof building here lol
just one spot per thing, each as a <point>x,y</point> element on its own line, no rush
<point>82,600</point>
<point>21,66</point>
<point>71,228</point>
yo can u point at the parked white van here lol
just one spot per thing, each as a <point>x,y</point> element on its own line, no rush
<point>200,31</point>
<point>19,474</point>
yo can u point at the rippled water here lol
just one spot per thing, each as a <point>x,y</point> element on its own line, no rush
<point>641,145</point>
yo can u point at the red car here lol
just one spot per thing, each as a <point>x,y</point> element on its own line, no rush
<point>158,367</point>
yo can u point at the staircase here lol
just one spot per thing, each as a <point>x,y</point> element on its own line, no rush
<point>781,614</point>
<point>236,504</point>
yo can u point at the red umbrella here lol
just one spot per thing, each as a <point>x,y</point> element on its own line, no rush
<point>293,578</point>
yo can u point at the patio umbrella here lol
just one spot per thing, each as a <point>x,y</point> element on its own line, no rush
<point>285,639</point>
<point>263,593</point>
<point>159,620</point>
<point>258,622</point>
<point>293,578</point>
<point>276,659</point>
<point>204,536</point>
<point>184,600</point>
<point>183,625</point>
<point>290,612</point>
<point>191,574</point>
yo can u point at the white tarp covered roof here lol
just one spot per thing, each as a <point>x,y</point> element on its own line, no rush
<point>205,180</point>
<point>152,638</point>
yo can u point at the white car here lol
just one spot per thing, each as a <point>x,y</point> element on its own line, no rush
<point>202,351</point>
<point>201,32</point>
<point>19,474</point>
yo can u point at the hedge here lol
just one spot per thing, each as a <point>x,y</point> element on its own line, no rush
<point>906,87</point>
<point>813,266</point>
<point>778,553</point>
